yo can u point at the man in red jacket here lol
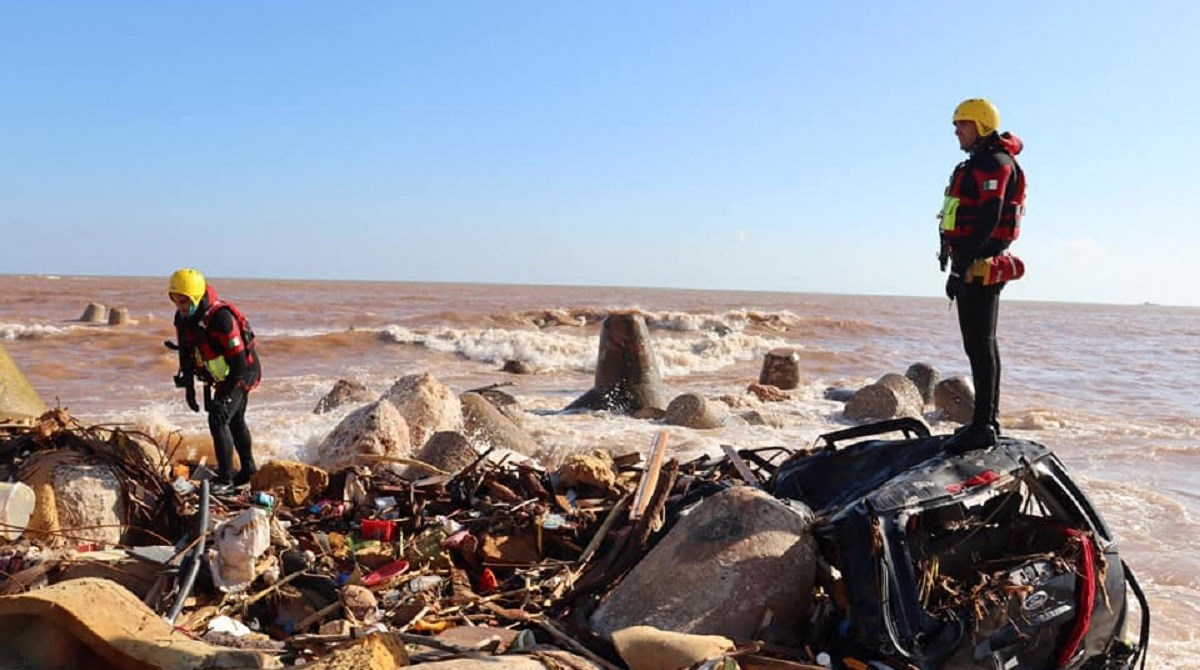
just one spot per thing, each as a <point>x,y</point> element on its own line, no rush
<point>216,344</point>
<point>980,218</point>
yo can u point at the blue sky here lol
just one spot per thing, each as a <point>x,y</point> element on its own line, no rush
<point>794,146</point>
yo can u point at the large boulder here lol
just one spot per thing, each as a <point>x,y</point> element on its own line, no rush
<point>504,402</point>
<point>487,427</point>
<point>736,555</point>
<point>345,392</point>
<point>18,400</point>
<point>448,451</point>
<point>891,397</point>
<point>426,404</point>
<point>91,504</point>
<point>955,399</point>
<point>695,411</point>
<point>377,429</point>
<point>925,377</point>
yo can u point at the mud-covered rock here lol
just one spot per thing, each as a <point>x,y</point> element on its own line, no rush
<point>955,399</point>
<point>737,554</point>
<point>376,429</point>
<point>695,411</point>
<point>345,392</point>
<point>426,404</point>
<point>486,427</point>
<point>292,482</point>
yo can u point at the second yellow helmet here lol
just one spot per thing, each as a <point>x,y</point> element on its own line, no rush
<point>983,113</point>
<point>189,282</point>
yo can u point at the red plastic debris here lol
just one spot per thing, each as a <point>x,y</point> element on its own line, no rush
<point>981,479</point>
<point>487,581</point>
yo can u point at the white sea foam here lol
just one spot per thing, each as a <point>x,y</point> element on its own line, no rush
<point>32,331</point>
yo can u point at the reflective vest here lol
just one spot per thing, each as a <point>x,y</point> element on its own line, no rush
<point>975,182</point>
<point>209,357</point>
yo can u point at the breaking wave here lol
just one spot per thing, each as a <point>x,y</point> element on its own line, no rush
<point>33,331</point>
<point>678,356</point>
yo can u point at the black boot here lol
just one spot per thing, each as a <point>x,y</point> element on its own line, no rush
<point>970,437</point>
<point>244,475</point>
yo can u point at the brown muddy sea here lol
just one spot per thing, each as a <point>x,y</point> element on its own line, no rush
<point>1111,388</point>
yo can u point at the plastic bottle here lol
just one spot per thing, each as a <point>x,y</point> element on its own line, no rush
<point>16,506</point>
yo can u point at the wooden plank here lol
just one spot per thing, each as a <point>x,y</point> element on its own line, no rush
<point>650,477</point>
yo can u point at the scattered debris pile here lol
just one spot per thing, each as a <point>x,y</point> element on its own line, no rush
<point>604,562</point>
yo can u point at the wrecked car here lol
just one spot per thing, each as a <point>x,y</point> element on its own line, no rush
<point>990,559</point>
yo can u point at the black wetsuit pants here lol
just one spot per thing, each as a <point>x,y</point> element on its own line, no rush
<point>231,434</point>
<point>978,309</point>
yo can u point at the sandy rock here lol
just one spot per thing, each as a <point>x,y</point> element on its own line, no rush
<point>738,553</point>
<point>18,400</point>
<point>925,377</point>
<point>381,651</point>
<point>648,648</point>
<point>90,499</point>
<point>504,402</point>
<point>781,368</point>
<point>133,573</point>
<point>376,429</point>
<point>554,658</point>
<point>486,427</point>
<point>695,411</point>
<point>448,451</point>
<point>891,397</point>
<point>426,404</point>
<point>292,482</point>
<point>595,470</point>
<point>94,313</point>
<point>118,316</point>
<point>955,399</point>
<point>75,624</point>
<point>345,392</point>
<point>768,393</point>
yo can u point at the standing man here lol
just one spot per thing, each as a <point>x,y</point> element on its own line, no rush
<point>216,344</point>
<point>980,218</point>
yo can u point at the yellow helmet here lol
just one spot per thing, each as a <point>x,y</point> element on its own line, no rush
<point>982,112</point>
<point>189,282</point>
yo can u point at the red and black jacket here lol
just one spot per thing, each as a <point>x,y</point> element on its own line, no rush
<point>990,186</point>
<point>214,330</point>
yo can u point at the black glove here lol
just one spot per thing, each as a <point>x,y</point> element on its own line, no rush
<point>223,405</point>
<point>954,285</point>
<point>185,382</point>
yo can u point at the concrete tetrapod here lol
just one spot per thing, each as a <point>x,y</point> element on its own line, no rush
<point>627,376</point>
